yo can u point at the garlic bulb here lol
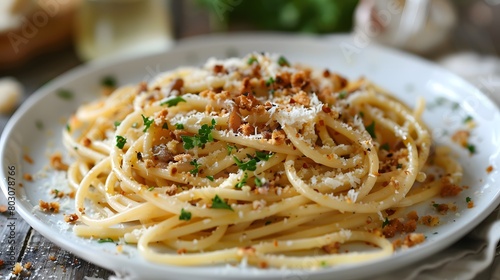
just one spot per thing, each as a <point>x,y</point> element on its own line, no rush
<point>415,25</point>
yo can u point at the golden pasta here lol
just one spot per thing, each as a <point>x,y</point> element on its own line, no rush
<point>250,159</point>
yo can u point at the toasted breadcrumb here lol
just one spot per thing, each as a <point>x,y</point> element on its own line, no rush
<point>28,159</point>
<point>71,218</point>
<point>57,163</point>
<point>28,177</point>
<point>489,169</point>
<point>49,206</point>
<point>52,258</point>
<point>17,269</point>
<point>430,220</point>
<point>27,265</point>
<point>413,239</point>
<point>332,248</point>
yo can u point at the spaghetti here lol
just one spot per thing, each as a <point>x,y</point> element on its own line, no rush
<point>250,159</point>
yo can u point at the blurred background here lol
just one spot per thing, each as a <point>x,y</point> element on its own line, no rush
<point>40,39</point>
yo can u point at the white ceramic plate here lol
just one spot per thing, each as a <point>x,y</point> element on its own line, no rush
<point>35,130</point>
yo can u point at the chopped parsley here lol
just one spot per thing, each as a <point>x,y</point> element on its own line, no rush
<point>117,123</point>
<point>342,94</point>
<point>362,114</point>
<point>56,193</point>
<point>199,140</point>
<point>468,199</point>
<point>120,141</point>
<point>108,81</point>
<point>435,205</point>
<point>151,188</point>
<point>248,165</point>
<point>147,122</point>
<point>468,119</point>
<point>471,148</point>
<point>196,165</point>
<point>267,223</point>
<point>218,203</point>
<point>270,81</point>
<point>164,126</point>
<point>65,94</point>
<point>104,240</point>
<point>243,182</point>
<point>258,182</point>
<point>251,164</point>
<point>210,177</point>
<point>386,222</point>
<point>385,146</point>
<point>251,60</point>
<point>371,129</point>
<point>68,128</point>
<point>263,155</point>
<point>39,124</point>
<point>185,215</point>
<point>282,61</point>
<point>399,166</point>
<point>230,149</point>
<point>179,126</point>
<point>173,101</point>
<point>323,264</point>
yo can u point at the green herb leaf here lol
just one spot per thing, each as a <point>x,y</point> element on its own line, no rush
<point>151,188</point>
<point>249,165</point>
<point>211,178</point>
<point>251,60</point>
<point>371,129</point>
<point>267,223</point>
<point>435,205</point>
<point>342,94</point>
<point>68,128</point>
<point>258,182</point>
<point>218,203</point>
<point>468,199</point>
<point>471,148</point>
<point>117,123</point>
<point>65,94</point>
<point>399,166</point>
<point>120,141</point>
<point>386,222</point>
<point>147,122</point>
<point>173,101</point>
<point>185,215</point>
<point>243,181</point>
<point>39,124</point>
<point>385,146</point>
<point>230,149</point>
<point>179,126</point>
<point>361,114</point>
<point>264,156</point>
<point>468,119</point>
<point>104,240</point>
<point>282,61</point>
<point>199,140</point>
<point>108,81</point>
<point>164,126</point>
<point>323,264</point>
<point>196,165</point>
<point>270,81</point>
